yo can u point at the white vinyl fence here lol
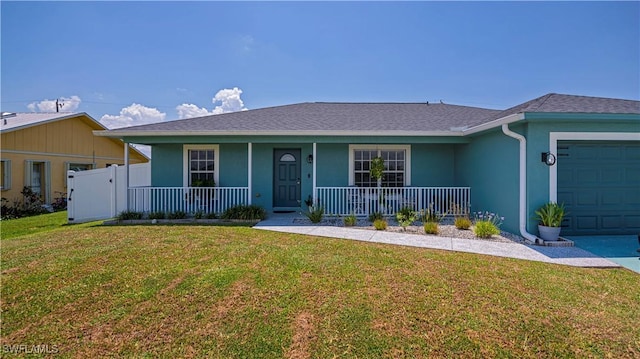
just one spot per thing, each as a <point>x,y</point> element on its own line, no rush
<point>101,193</point>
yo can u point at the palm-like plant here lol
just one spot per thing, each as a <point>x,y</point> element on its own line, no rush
<point>550,214</point>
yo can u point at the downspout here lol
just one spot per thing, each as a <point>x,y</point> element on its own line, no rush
<point>523,181</point>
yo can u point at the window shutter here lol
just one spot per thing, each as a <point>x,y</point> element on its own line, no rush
<point>28,172</point>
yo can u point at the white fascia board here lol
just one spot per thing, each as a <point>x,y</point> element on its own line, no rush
<point>120,134</point>
<point>495,123</point>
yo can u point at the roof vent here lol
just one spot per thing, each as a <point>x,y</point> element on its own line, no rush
<point>6,115</point>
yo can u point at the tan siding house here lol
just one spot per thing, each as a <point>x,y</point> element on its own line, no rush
<point>37,149</point>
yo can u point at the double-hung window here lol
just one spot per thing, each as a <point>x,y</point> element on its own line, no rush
<point>5,174</point>
<point>201,162</point>
<point>396,165</point>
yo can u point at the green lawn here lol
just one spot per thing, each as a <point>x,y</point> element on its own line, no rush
<point>223,292</point>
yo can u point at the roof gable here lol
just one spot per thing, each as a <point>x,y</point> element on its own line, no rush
<point>29,119</point>
<point>559,103</point>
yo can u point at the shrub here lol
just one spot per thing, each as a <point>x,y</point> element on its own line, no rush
<point>463,223</point>
<point>487,224</point>
<point>129,215</point>
<point>380,224</point>
<point>198,215</point>
<point>431,215</point>
<point>375,216</point>
<point>315,213</point>
<point>211,215</point>
<point>177,215</point>
<point>485,229</point>
<point>431,228</point>
<point>406,216</point>
<point>244,212</point>
<point>157,215</point>
<point>350,220</point>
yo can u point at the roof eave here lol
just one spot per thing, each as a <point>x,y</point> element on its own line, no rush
<point>55,119</point>
<point>495,123</point>
<point>122,134</point>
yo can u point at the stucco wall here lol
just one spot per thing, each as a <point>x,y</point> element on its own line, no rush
<point>489,165</point>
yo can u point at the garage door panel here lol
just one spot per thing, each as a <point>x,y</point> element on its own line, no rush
<point>599,183</point>
<point>612,198</point>
<point>612,175</point>
<point>632,153</point>
<point>612,222</point>
<point>632,176</point>
<point>566,198</point>
<point>587,176</point>
<point>632,222</point>
<point>587,199</point>
<point>611,152</point>
<point>586,223</point>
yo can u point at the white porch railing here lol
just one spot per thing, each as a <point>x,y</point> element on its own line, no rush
<point>366,200</point>
<point>186,199</point>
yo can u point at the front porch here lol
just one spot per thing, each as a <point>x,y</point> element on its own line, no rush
<point>360,201</point>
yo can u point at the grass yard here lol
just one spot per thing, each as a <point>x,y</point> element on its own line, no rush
<point>224,292</point>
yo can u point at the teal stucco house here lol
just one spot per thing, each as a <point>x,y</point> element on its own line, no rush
<point>582,151</point>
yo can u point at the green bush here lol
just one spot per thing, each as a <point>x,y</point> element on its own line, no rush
<point>177,215</point>
<point>487,224</point>
<point>375,216</point>
<point>157,215</point>
<point>405,217</point>
<point>129,215</point>
<point>350,220</point>
<point>211,215</point>
<point>431,228</point>
<point>380,224</point>
<point>431,215</point>
<point>315,213</point>
<point>485,229</point>
<point>244,212</point>
<point>463,223</point>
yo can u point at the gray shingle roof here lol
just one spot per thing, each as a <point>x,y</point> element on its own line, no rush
<point>373,118</point>
<point>559,103</point>
<point>329,117</point>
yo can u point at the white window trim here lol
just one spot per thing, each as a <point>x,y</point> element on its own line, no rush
<point>406,148</point>
<point>554,137</point>
<point>6,172</point>
<point>185,161</point>
<point>46,177</point>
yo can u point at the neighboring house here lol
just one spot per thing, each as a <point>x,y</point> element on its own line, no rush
<point>437,156</point>
<point>39,148</point>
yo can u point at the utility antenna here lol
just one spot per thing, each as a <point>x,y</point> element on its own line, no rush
<point>58,105</point>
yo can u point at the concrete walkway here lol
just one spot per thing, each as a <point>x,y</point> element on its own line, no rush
<point>571,256</point>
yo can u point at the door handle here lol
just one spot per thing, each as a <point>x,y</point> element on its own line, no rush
<point>298,181</point>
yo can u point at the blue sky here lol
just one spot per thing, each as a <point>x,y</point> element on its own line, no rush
<point>128,63</point>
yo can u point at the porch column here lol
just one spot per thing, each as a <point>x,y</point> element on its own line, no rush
<point>249,172</point>
<point>315,161</point>
<point>126,175</point>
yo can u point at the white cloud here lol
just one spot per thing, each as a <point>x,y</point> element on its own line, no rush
<point>190,110</point>
<point>68,104</point>
<point>133,115</point>
<point>230,101</point>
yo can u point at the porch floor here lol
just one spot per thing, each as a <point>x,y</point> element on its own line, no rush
<point>572,256</point>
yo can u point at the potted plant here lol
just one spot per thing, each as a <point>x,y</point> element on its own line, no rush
<point>549,218</point>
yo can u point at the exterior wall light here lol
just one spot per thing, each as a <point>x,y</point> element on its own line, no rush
<point>310,159</point>
<point>548,158</point>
